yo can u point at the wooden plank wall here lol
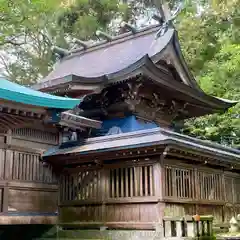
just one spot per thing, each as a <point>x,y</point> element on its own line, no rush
<point>145,192</point>
<point>27,185</point>
<point>32,200</point>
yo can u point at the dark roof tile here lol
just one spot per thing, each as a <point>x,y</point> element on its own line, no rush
<point>111,57</point>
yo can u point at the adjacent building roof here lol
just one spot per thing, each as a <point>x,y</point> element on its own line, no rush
<point>20,105</point>
<point>14,92</point>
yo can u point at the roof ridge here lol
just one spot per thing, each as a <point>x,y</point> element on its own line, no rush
<point>115,40</point>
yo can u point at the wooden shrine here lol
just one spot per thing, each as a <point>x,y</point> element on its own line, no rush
<point>30,123</point>
<point>136,170</point>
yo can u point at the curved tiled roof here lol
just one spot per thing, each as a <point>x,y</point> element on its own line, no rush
<point>111,57</point>
<point>130,55</point>
<point>106,60</point>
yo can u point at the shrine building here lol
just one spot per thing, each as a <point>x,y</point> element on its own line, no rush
<point>95,144</point>
<point>30,123</point>
<point>136,169</point>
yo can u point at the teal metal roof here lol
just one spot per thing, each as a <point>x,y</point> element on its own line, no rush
<point>14,92</point>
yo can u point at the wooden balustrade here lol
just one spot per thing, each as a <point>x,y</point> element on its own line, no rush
<point>144,192</point>
<point>178,183</point>
<point>200,184</point>
<point>188,227</point>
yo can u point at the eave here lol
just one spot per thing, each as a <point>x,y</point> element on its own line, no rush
<point>150,70</point>
<point>17,115</point>
<point>156,138</point>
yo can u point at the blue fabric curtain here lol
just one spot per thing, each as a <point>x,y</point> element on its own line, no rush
<point>123,125</point>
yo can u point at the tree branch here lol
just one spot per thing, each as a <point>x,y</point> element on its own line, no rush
<point>11,42</point>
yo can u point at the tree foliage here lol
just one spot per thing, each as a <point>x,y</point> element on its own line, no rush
<point>28,31</point>
<point>37,25</point>
<point>83,18</point>
<point>210,40</point>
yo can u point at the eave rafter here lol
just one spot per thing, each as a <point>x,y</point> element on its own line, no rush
<point>147,154</point>
<point>13,117</point>
<point>200,157</point>
<point>9,121</point>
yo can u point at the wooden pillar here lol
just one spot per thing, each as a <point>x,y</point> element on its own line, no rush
<point>196,190</point>
<point>5,199</point>
<point>105,190</point>
<point>158,179</point>
<point>158,174</point>
<point>225,197</point>
<point>8,170</point>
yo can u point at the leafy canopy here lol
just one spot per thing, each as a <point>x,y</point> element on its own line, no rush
<point>210,36</point>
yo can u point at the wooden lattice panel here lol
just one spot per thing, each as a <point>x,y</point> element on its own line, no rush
<point>27,167</point>
<point>80,186</point>
<point>210,186</point>
<point>131,182</point>
<point>237,190</point>
<point>179,182</point>
<point>229,189</point>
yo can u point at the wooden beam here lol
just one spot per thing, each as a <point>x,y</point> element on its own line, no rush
<point>8,119</point>
<point>108,155</point>
<point>17,119</point>
<point>6,123</point>
<point>210,158</point>
<point>13,220</point>
<point>143,200</point>
<point>19,148</point>
<point>111,225</point>
<point>33,185</point>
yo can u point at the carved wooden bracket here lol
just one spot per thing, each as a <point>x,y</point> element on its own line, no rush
<point>140,98</point>
<point>132,97</point>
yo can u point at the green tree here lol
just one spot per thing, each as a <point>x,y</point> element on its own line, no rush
<point>26,38</point>
<point>210,36</point>
<point>36,26</point>
<point>83,18</point>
